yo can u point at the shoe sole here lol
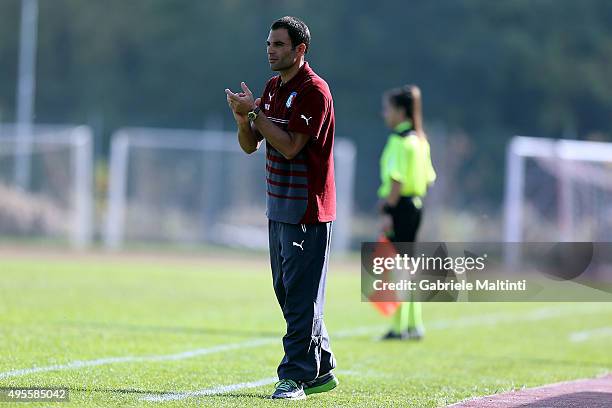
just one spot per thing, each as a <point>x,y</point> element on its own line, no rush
<point>328,386</point>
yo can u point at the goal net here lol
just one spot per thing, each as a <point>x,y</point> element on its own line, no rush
<point>46,184</point>
<point>192,187</point>
<point>558,190</point>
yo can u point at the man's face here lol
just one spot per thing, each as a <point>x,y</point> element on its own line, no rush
<point>281,54</point>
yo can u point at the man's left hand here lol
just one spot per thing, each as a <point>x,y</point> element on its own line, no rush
<point>242,102</point>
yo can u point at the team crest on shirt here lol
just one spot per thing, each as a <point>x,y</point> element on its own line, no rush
<point>290,99</point>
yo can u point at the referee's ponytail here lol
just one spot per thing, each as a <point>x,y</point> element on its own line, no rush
<point>409,99</point>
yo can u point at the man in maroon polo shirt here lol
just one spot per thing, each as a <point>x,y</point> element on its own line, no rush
<point>295,116</point>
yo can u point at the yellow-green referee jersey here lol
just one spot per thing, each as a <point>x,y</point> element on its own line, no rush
<point>407,160</point>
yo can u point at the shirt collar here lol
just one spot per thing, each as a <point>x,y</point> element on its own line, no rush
<point>403,127</point>
<point>299,74</point>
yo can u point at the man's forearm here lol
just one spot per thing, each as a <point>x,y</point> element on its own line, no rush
<point>279,139</point>
<point>247,138</point>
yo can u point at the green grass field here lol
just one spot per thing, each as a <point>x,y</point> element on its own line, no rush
<point>124,330</point>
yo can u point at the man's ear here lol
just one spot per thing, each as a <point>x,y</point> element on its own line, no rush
<point>301,49</point>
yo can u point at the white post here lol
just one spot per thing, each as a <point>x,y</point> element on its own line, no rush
<point>82,161</point>
<point>513,197</point>
<point>115,218</point>
<point>25,92</point>
<point>566,198</point>
<point>513,203</point>
<point>344,165</point>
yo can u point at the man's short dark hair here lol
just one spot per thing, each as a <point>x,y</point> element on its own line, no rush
<point>297,29</point>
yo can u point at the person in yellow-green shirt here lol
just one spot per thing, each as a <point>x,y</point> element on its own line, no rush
<point>406,172</point>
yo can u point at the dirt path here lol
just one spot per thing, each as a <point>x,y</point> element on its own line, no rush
<point>588,393</point>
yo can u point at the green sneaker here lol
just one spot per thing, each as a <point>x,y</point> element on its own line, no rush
<point>322,383</point>
<point>288,389</point>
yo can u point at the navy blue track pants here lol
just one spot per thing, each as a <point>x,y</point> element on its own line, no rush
<point>299,256</point>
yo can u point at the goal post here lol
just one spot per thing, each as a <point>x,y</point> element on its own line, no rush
<point>191,187</point>
<point>58,202</point>
<point>558,190</point>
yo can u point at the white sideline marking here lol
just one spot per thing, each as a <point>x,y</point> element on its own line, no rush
<point>585,335</point>
<point>498,318</point>
<point>477,320</point>
<point>491,319</point>
<point>483,319</point>
<point>163,357</point>
<point>221,389</point>
<point>136,359</point>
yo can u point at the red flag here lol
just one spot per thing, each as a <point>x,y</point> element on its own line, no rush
<point>384,301</point>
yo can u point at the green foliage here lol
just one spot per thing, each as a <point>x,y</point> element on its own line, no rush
<point>489,69</point>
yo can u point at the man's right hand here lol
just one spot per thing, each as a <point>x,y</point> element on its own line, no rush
<point>241,118</point>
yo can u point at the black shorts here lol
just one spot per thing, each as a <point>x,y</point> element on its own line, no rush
<point>406,220</point>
